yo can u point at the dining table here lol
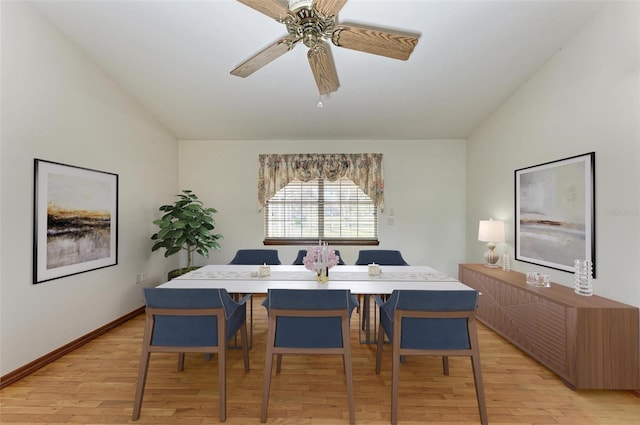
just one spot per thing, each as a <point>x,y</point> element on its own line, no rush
<point>253,279</point>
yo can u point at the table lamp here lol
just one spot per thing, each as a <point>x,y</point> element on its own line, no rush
<point>491,231</point>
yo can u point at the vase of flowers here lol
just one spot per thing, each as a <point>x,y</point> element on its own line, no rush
<point>320,259</point>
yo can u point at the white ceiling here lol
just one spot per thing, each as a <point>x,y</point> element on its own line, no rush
<point>174,58</point>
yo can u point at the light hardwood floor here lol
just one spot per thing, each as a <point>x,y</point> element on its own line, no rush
<point>95,385</point>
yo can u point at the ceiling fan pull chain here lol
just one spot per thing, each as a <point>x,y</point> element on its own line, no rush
<point>320,104</point>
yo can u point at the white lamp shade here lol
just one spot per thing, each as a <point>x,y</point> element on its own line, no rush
<point>491,231</point>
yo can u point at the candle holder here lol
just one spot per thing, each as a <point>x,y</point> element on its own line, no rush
<point>582,277</point>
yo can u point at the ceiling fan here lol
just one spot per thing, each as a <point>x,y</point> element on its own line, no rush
<point>313,22</point>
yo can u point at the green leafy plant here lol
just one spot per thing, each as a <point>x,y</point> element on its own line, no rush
<point>187,224</point>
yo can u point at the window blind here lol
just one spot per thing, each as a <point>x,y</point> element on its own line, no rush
<point>321,209</point>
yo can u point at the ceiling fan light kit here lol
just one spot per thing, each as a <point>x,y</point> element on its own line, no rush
<point>313,22</point>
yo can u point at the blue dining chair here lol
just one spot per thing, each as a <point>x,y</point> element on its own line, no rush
<point>256,257</point>
<point>191,321</point>
<point>440,323</point>
<point>303,252</point>
<point>308,322</point>
<point>384,257</point>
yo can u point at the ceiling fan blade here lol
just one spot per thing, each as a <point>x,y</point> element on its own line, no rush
<point>383,43</point>
<point>329,7</point>
<point>323,68</point>
<point>264,57</point>
<point>270,8</point>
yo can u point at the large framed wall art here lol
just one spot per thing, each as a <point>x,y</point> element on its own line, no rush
<point>75,220</point>
<point>555,213</point>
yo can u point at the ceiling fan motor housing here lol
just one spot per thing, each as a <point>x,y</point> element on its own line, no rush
<point>310,26</point>
<point>296,4</point>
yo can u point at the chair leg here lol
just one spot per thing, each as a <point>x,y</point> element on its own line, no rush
<point>379,348</point>
<point>222,381</point>
<point>245,346</point>
<point>144,365</point>
<point>346,360</point>
<point>266,386</point>
<point>349,376</point>
<point>180,362</point>
<point>268,368</point>
<point>142,379</point>
<point>477,378</point>
<point>279,363</point>
<point>477,373</point>
<point>445,365</point>
<point>395,383</point>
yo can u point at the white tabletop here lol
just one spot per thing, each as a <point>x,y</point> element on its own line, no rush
<point>244,279</point>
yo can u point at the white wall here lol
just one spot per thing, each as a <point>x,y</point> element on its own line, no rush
<point>424,186</point>
<point>57,106</point>
<point>586,98</point>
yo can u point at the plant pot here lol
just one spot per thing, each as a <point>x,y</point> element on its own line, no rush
<point>179,272</point>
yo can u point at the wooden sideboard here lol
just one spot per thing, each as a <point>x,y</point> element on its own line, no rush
<point>589,342</point>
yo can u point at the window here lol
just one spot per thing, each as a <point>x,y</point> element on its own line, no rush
<point>333,197</point>
<point>338,212</point>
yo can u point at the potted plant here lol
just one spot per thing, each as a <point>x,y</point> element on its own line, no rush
<point>186,224</point>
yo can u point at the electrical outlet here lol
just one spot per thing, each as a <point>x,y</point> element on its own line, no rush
<point>139,278</point>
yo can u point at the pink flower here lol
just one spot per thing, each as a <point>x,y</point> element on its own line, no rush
<point>320,257</point>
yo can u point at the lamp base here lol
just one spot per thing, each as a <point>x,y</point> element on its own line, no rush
<point>491,257</point>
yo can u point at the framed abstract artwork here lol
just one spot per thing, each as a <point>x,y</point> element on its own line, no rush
<point>75,220</point>
<point>555,213</point>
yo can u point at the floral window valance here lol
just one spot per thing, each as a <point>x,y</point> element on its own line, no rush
<point>364,169</point>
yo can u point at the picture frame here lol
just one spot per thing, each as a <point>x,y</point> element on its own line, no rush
<point>75,220</point>
<point>555,213</point>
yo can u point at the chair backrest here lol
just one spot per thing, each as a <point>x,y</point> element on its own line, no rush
<point>256,257</point>
<point>303,252</point>
<point>432,320</point>
<point>309,318</point>
<point>384,257</point>
<point>186,317</point>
